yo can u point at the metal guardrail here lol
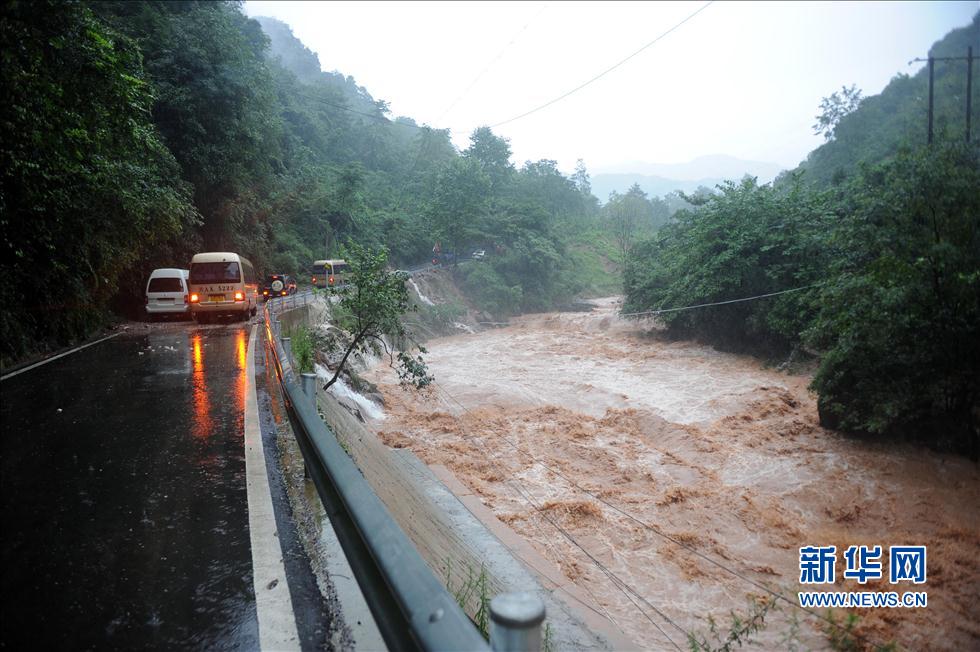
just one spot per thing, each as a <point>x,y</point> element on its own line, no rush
<point>412,608</point>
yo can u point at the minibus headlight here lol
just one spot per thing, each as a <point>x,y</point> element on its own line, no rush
<point>239,296</point>
<point>194,297</point>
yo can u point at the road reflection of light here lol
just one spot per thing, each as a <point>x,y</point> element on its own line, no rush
<point>241,350</point>
<point>198,358</point>
<point>240,346</point>
<point>202,402</point>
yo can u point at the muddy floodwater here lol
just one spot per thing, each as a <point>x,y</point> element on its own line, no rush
<point>687,478</point>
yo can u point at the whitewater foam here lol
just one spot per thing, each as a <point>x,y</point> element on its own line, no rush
<point>424,299</point>
<point>341,390</point>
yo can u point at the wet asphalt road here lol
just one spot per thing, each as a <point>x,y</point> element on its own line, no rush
<point>123,495</point>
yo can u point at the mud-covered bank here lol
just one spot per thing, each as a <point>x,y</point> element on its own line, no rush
<point>724,456</point>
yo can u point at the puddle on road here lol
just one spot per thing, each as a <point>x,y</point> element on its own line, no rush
<point>713,449</point>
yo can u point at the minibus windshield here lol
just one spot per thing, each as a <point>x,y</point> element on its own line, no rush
<point>216,273</point>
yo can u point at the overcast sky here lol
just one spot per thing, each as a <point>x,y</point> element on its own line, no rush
<point>743,79</point>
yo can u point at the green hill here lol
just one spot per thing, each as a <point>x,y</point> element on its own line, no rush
<point>139,133</point>
<point>897,116</point>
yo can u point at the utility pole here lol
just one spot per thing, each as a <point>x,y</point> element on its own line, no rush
<point>932,68</point>
<point>969,86</point>
<point>969,90</point>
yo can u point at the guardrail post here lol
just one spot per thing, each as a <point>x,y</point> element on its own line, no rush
<point>515,622</point>
<point>287,346</point>
<point>309,386</point>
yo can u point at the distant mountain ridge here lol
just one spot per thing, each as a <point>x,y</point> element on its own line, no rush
<point>305,64</point>
<point>712,166</point>
<point>605,184</point>
<point>658,179</point>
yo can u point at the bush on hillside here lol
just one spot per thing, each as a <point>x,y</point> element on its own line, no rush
<point>490,291</point>
<point>900,320</point>
<point>745,241</point>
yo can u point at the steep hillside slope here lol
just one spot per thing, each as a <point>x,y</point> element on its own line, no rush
<point>898,116</point>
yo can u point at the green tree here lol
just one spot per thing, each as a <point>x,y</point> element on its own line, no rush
<point>834,107</point>
<point>627,215</point>
<point>89,192</point>
<point>899,325</point>
<point>748,240</point>
<point>344,202</point>
<point>581,178</point>
<point>214,104</point>
<point>493,155</point>
<point>459,202</point>
<point>371,309</point>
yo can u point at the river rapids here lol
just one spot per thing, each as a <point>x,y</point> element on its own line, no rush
<point>622,438</point>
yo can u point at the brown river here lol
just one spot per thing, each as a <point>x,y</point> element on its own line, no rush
<point>687,479</point>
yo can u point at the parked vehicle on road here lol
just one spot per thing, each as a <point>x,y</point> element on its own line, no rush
<point>167,293</point>
<point>329,273</point>
<point>278,285</point>
<point>479,254</point>
<point>222,283</point>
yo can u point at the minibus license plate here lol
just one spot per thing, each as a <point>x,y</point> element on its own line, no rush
<point>217,297</point>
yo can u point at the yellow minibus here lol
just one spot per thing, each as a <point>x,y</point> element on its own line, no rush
<point>329,273</point>
<point>222,283</point>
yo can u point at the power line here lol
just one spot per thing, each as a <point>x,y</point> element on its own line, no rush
<point>603,73</point>
<point>969,86</point>
<point>345,108</point>
<point>664,535</point>
<point>492,61</point>
<point>620,584</point>
<point>718,303</point>
<point>480,75</point>
<point>775,594</point>
<point>600,611</point>
<point>623,587</point>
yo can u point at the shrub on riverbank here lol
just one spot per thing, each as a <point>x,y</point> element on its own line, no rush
<point>891,266</point>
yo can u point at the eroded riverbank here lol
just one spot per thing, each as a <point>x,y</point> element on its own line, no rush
<point>591,423</point>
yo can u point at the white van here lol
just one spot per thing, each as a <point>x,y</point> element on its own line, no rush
<point>222,283</point>
<point>166,293</point>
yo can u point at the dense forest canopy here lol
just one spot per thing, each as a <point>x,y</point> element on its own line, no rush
<point>138,133</point>
<point>90,190</point>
